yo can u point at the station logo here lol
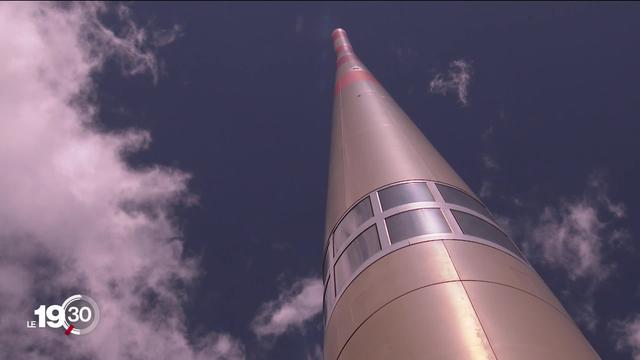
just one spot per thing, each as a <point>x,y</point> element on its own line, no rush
<point>78,315</point>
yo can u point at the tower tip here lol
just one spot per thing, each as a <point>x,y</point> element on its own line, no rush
<point>337,31</point>
<point>341,42</point>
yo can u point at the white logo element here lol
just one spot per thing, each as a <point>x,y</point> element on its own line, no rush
<point>78,315</point>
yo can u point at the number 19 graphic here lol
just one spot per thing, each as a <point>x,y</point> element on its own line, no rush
<point>78,315</point>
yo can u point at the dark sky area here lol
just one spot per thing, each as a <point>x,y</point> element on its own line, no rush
<point>244,104</point>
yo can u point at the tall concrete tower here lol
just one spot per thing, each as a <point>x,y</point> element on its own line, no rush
<point>415,266</point>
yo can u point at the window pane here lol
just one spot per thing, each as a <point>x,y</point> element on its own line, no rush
<point>361,249</point>
<point>328,299</point>
<point>356,217</point>
<point>404,194</point>
<point>457,197</point>
<point>473,225</point>
<point>325,264</point>
<point>416,222</point>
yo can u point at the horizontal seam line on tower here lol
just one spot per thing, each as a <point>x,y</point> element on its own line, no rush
<point>414,244</point>
<point>439,283</point>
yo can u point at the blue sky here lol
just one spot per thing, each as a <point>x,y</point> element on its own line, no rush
<point>220,193</point>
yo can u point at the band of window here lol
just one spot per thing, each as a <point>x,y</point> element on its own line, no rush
<point>423,219</point>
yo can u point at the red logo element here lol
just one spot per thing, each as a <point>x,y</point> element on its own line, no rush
<point>68,331</point>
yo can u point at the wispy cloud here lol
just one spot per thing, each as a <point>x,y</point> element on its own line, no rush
<point>217,346</point>
<point>570,235</point>
<point>489,162</point>
<point>315,353</point>
<point>626,334</point>
<point>76,217</point>
<point>456,80</point>
<point>486,189</point>
<point>295,306</point>
<point>488,133</point>
<point>134,47</point>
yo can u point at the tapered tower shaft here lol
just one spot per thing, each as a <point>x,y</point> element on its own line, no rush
<point>415,266</point>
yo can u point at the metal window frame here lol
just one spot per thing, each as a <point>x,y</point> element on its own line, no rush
<point>356,231</point>
<point>342,253</point>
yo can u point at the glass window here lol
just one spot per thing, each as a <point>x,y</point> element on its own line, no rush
<point>356,217</point>
<point>473,225</point>
<point>325,264</point>
<point>404,194</point>
<point>416,222</point>
<point>328,299</point>
<point>361,249</point>
<point>457,197</point>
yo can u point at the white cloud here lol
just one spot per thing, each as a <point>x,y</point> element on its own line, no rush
<point>586,314</point>
<point>569,238</point>
<point>133,46</point>
<point>596,181</point>
<point>73,215</point>
<point>315,353</point>
<point>627,335</point>
<point>301,302</point>
<point>218,346</point>
<point>571,235</point>
<point>456,80</point>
